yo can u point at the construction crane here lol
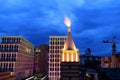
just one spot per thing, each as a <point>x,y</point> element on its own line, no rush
<point>113,44</point>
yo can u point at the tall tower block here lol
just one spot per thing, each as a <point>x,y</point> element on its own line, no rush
<point>70,68</point>
<point>56,43</point>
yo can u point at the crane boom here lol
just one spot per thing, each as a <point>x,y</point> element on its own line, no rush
<point>113,44</point>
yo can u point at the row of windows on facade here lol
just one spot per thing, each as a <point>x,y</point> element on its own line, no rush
<point>56,47</point>
<point>57,39</point>
<point>6,69</point>
<point>3,65</point>
<point>54,60</point>
<point>109,60</point>
<point>54,64</point>
<point>55,51</point>
<point>54,74</point>
<point>9,46</point>
<point>11,40</point>
<point>54,56</point>
<point>54,69</point>
<point>8,49</point>
<point>57,43</point>
<point>8,57</point>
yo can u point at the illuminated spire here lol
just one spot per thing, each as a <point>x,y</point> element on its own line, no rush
<point>69,44</point>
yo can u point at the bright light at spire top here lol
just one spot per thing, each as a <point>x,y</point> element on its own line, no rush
<point>67,21</point>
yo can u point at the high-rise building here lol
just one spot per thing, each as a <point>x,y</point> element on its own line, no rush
<point>56,44</point>
<point>16,56</point>
<point>41,59</point>
<point>70,66</point>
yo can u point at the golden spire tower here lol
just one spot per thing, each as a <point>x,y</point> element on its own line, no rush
<point>70,67</point>
<point>69,52</point>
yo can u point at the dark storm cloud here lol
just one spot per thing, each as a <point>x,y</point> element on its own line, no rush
<point>36,20</point>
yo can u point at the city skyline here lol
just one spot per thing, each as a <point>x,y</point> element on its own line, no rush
<point>92,22</point>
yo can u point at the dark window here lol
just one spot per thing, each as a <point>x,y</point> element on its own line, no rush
<point>51,69</point>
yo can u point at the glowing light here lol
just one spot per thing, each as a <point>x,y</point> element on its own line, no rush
<point>63,57</point>
<point>67,57</point>
<point>72,57</point>
<point>67,21</point>
<point>76,57</point>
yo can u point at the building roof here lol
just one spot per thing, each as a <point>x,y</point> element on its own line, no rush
<point>20,38</point>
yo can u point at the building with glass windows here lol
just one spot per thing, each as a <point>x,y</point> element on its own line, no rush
<point>56,44</point>
<point>16,56</point>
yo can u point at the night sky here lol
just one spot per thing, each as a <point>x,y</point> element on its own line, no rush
<point>36,20</point>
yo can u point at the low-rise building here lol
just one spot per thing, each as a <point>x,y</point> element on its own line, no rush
<point>111,61</point>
